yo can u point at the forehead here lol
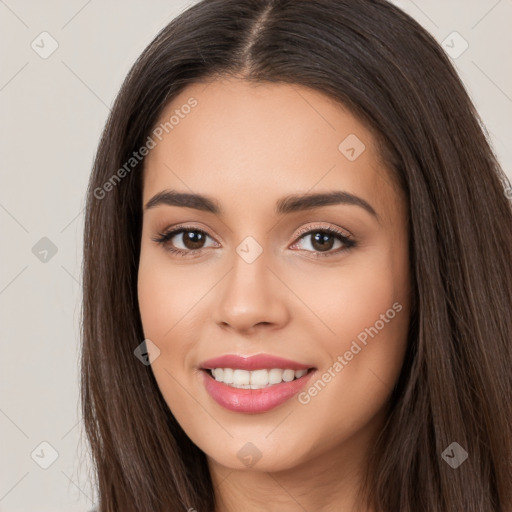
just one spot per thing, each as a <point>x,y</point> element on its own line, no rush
<point>242,141</point>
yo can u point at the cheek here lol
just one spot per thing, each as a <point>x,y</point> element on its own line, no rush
<point>172,299</point>
<point>366,308</point>
<point>352,298</point>
<point>167,294</point>
<point>167,297</point>
<point>156,300</point>
<point>369,314</point>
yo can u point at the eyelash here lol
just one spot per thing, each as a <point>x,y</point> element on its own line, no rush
<point>166,236</point>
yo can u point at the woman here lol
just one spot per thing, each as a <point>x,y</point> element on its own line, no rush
<point>297,279</point>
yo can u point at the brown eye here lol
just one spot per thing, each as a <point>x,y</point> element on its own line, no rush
<point>321,241</point>
<point>191,240</point>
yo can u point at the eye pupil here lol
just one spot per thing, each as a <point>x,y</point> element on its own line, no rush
<point>320,239</point>
<point>193,237</point>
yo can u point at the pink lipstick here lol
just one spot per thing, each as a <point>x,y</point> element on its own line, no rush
<point>254,384</point>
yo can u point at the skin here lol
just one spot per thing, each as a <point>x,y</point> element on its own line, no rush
<point>247,146</point>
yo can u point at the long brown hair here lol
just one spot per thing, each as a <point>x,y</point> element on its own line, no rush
<point>456,381</point>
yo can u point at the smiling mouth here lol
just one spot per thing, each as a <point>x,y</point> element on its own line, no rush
<point>255,379</point>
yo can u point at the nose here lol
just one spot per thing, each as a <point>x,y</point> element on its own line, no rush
<point>252,297</point>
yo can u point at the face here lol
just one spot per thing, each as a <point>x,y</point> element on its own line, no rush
<point>258,268</point>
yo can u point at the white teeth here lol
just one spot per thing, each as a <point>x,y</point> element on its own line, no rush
<point>288,375</point>
<point>255,379</point>
<point>259,377</point>
<point>218,374</point>
<point>228,375</point>
<point>241,378</point>
<point>275,376</point>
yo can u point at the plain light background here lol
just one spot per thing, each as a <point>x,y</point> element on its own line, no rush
<point>52,114</point>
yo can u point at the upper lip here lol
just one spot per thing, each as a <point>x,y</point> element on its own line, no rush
<point>254,362</point>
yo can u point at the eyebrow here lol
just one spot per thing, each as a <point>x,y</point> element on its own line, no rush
<point>289,204</point>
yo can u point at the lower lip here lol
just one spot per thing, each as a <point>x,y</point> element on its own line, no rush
<point>253,400</point>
